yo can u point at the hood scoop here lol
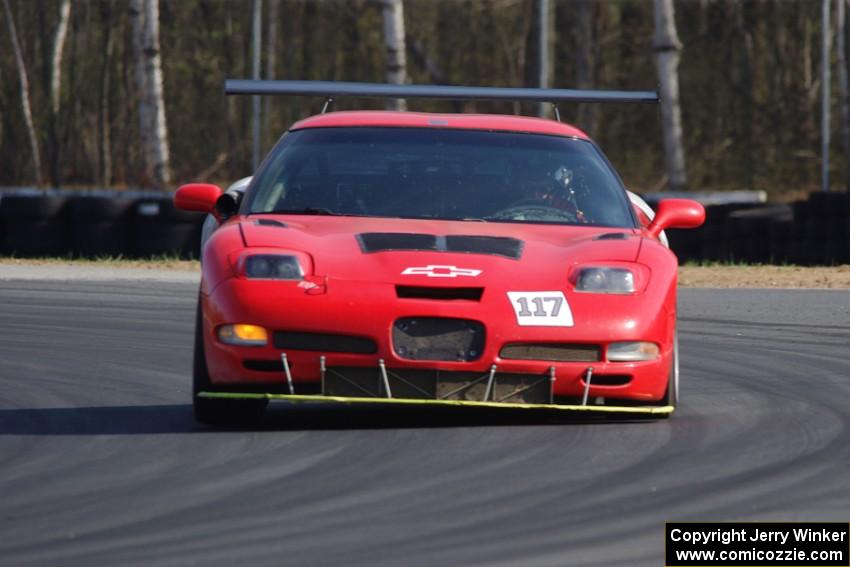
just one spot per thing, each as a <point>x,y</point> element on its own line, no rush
<point>612,236</point>
<point>471,244</point>
<point>269,222</point>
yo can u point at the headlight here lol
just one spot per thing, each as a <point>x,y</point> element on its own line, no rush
<point>605,280</point>
<point>272,267</point>
<point>243,335</point>
<point>632,352</point>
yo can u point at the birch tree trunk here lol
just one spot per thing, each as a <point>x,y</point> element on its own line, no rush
<point>841,47</point>
<point>56,60</point>
<point>153,69</point>
<point>25,93</point>
<point>144,18</point>
<point>54,147</point>
<point>667,48</point>
<point>394,44</point>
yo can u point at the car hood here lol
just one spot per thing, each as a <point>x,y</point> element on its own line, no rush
<point>438,252</point>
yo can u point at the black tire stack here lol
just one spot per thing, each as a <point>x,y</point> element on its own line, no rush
<point>160,228</point>
<point>100,226</point>
<point>34,226</point>
<point>812,232</point>
<point>92,226</point>
<point>753,231</point>
<point>687,244</point>
<point>824,224</point>
<point>710,235</point>
<point>746,232</point>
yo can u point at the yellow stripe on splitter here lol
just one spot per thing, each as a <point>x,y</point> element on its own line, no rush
<point>654,410</point>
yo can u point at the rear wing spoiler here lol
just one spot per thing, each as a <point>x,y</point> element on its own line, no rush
<point>331,89</point>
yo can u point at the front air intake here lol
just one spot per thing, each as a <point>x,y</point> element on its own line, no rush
<point>556,352</point>
<point>437,338</point>
<point>324,342</point>
<point>439,293</point>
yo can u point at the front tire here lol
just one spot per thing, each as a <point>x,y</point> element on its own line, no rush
<point>671,397</point>
<point>213,411</point>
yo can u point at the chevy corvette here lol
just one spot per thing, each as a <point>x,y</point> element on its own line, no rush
<point>454,259</point>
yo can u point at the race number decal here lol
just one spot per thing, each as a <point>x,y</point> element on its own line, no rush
<point>541,308</point>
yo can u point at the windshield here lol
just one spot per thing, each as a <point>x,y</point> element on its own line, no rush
<point>440,174</point>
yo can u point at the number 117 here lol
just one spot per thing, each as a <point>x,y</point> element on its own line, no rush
<point>540,309</point>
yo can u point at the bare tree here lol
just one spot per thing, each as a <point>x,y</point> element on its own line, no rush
<point>421,57</point>
<point>542,19</point>
<point>256,48</point>
<point>271,60</point>
<point>56,60</point>
<point>826,92</point>
<point>667,48</point>
<point>105,146</point>
<point>394,44</point>
<point>54,147</point>
<point>144,16</point>
<point>153,65</point>
<point>585,60</point>
<point>137,27</point>
<point>25,93</point>
<point>841,47</point>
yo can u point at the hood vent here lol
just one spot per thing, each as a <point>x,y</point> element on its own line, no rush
<point>472,244</point>
<point>439,293</point>
<point>612,236</point>
<point>269,222</point>
<point>388,241</point>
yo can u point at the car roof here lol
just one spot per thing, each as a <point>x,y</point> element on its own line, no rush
<point>500,122</point>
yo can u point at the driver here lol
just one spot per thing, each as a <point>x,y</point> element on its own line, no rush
<point>549,187</point>
<point>563,193</point>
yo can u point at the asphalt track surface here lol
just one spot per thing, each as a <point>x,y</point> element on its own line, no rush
<point>102,464</point>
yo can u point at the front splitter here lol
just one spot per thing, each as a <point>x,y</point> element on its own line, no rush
<point>294,398</point>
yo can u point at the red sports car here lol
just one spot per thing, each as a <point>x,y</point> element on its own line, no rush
<point>403,257</point>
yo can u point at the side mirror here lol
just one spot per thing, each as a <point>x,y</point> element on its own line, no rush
<point>198,197</point>
<point>676,213</point>
<point>227,204</point>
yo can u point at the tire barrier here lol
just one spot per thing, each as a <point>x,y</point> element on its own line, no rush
<point>143,225</point>
<point>92,226</point>
<point>99,226</point>
<point>159,228</point>
<point>34,226</point>
<point>813,232</point>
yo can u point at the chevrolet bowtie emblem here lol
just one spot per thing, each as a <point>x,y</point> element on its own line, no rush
<point>440,271</point>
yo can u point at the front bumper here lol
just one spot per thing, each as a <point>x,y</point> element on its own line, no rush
<point>368,309</point>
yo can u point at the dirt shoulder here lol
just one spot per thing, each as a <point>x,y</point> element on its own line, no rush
<point>155,264</point>
<point>175,271</point>
<point>834,277</point>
